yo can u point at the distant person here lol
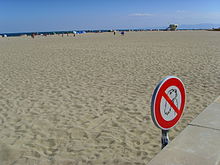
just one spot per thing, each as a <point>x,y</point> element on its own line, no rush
<point>62,34</point>
<point>122,33</point>
<point>74,33</point>
<point>114,33</point>
<point>32,35</point>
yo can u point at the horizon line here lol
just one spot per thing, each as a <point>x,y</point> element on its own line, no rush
<point>119,29</point>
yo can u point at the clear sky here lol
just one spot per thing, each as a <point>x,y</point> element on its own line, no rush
<point>49,15</point>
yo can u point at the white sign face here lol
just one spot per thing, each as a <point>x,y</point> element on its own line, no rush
<point>167,112</point>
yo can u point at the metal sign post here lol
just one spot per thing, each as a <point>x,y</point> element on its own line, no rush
<point>167,105</point>
<point>164,138</point>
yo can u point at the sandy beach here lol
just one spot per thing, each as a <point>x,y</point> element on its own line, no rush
<point>86,99</point>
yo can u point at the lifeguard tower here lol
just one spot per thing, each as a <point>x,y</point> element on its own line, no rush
<point>172,27</point>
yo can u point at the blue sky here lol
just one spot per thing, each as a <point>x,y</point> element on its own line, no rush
<point>49,15</point>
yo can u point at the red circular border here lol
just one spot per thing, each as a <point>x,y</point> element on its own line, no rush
<point>158,117</point>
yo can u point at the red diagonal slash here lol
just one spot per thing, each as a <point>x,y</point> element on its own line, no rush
<point>171,103</point>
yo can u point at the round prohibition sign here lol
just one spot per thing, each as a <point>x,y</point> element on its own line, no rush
<point>168,102</point>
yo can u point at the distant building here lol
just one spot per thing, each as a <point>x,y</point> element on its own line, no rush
<point>172,27</point>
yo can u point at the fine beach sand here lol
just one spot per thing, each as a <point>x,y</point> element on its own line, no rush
<point>86,100</point>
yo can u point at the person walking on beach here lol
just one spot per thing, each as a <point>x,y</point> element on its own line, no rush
<point>32,35</point>
<point>122,33</point>
<point>114,32</point>
<point>74,33</point>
